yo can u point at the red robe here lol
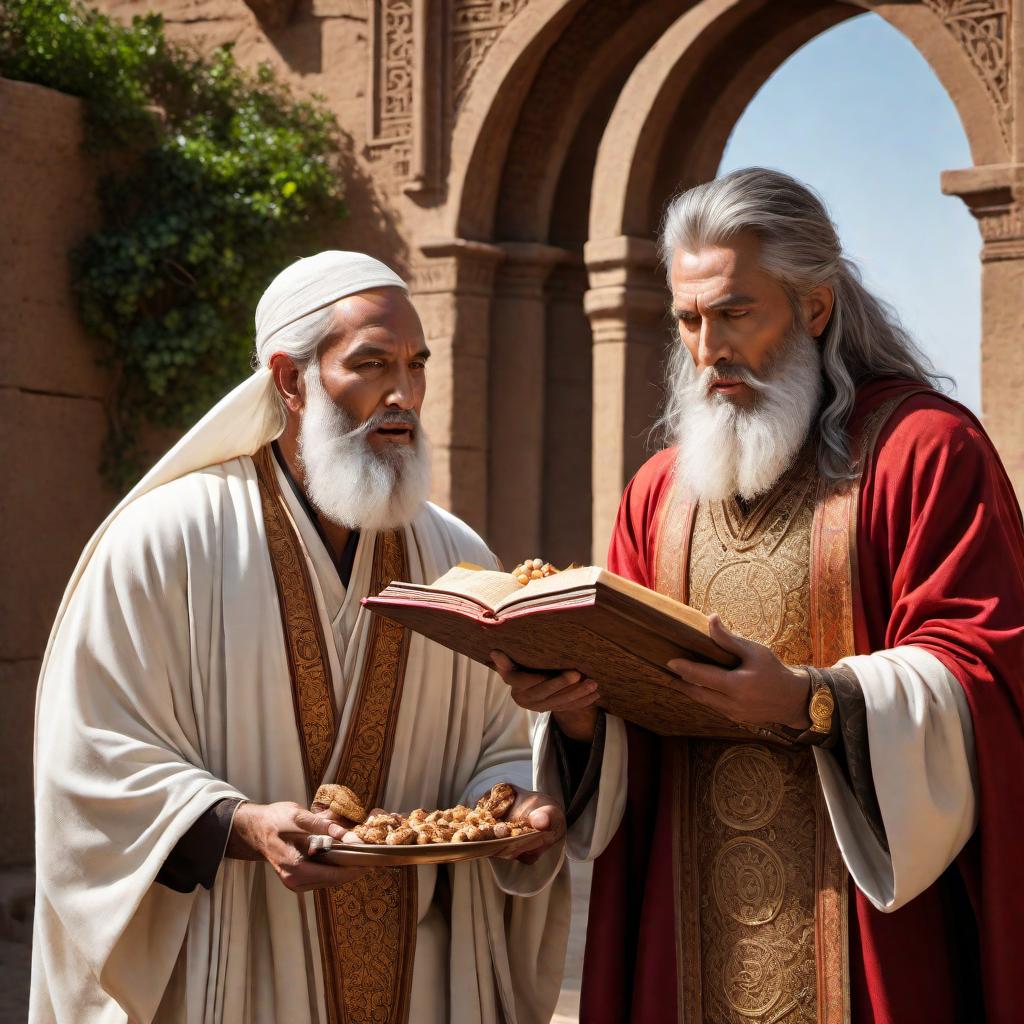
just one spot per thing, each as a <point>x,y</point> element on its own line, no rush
<point>941,566</point>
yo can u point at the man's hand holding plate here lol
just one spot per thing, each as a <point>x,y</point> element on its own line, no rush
<point>541,812</point>
<point>279,833</point>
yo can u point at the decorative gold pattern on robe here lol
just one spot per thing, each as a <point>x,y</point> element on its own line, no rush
<point>308,665</point>
<point>367,928</point>
<point>752,818</point>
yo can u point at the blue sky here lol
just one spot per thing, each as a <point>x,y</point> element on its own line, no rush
<point>859,114</point>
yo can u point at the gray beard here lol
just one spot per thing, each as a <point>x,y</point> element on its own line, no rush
<point>727,451</point>
<point>349,482</point>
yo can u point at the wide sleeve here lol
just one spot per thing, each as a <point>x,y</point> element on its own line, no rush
<point>509,920</point>
<point>505,756</point>
<point>921,745</point>
<point>942,577</point>
<point>599,819</point>
<point>118,771</point>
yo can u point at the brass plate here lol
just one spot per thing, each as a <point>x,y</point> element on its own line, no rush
<point>380,856</point>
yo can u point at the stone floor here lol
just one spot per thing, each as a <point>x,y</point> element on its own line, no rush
<point>16,927</point>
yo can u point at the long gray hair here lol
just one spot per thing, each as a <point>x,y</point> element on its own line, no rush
<point>800,248</point>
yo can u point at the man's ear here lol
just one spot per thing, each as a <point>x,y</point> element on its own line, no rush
<point>817,309</point>
<point>288,381</point>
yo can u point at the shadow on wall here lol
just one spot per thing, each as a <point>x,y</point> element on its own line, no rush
<point>297,34</point>
<point>371,226</point>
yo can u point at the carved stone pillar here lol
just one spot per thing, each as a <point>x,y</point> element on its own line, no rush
<point>516,420</point>
<point>452,284</point>
<point>568,418</point>
<point>995,195</point>
<point>626,305</point>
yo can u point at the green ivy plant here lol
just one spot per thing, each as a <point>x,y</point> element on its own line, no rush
<point>215,177</point>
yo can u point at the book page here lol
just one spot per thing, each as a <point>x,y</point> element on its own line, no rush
<point>591,575</point>
<point>499,591</point>
<point>562,582</point>
<point>484,586</point>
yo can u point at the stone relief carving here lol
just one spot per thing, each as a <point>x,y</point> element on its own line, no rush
<point>391,87</point>
<point>982,27</point>
<point>397,86</point>
<point>1002,232</point>
<point>475,25</point>
<point>456,265</point>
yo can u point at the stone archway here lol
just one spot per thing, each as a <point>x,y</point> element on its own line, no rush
<point>645,73</point>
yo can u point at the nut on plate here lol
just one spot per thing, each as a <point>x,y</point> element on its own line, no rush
<point>340,800</point>
<point>404,835</point>
<point>498,800</point>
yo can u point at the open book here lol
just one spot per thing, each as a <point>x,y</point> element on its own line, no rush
<point>612,630</point>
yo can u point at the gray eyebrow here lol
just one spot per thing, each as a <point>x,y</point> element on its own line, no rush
<point>723,303</point>
<point>369,350</point>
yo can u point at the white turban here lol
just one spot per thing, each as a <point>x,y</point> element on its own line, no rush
<point>313,284</point>
<point>250,416</point>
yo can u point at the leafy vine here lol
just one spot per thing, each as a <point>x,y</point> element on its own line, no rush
<point>213,177</point>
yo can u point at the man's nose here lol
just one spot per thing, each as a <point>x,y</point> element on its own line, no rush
<point>712,345</point>
<point>401,394</point>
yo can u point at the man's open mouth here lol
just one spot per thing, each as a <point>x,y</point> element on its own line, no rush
<point>395,431</point>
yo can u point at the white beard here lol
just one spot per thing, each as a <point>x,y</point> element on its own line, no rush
<point>346,479</point>
<point>727,451</point>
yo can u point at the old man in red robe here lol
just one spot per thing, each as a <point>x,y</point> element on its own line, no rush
<point>854,538</point>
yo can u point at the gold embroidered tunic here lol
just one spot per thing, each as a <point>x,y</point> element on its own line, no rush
<point>750,829</point>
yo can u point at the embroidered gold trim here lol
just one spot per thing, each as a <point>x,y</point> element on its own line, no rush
<point>756,890</point>
<point>303,631</point>
<point>672,555</point>
<point>831,921</point>
<point>377,945</point>
<point>367,928</point>
<point>749,881</point>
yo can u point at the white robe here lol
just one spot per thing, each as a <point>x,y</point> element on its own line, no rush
<point>922,764</point>
<point>166,688</point>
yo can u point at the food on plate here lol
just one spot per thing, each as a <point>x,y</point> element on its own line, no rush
<point>339,800</point>
<point>459,824</point>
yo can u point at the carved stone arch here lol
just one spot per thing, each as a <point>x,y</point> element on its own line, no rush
<point>491,105</point>
<point>694,137</point>
<point>709,64</point>
<point>501,293</point>
<point>577,82</point>
<point>539,437</point>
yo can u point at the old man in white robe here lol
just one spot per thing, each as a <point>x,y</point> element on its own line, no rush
<point>211,665</point>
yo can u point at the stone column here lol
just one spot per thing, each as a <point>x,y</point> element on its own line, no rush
<point>995,195</point>
<point>516,400</point>
<point>452,284</point>
<point>568,418</point>
<point>626,305</point>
